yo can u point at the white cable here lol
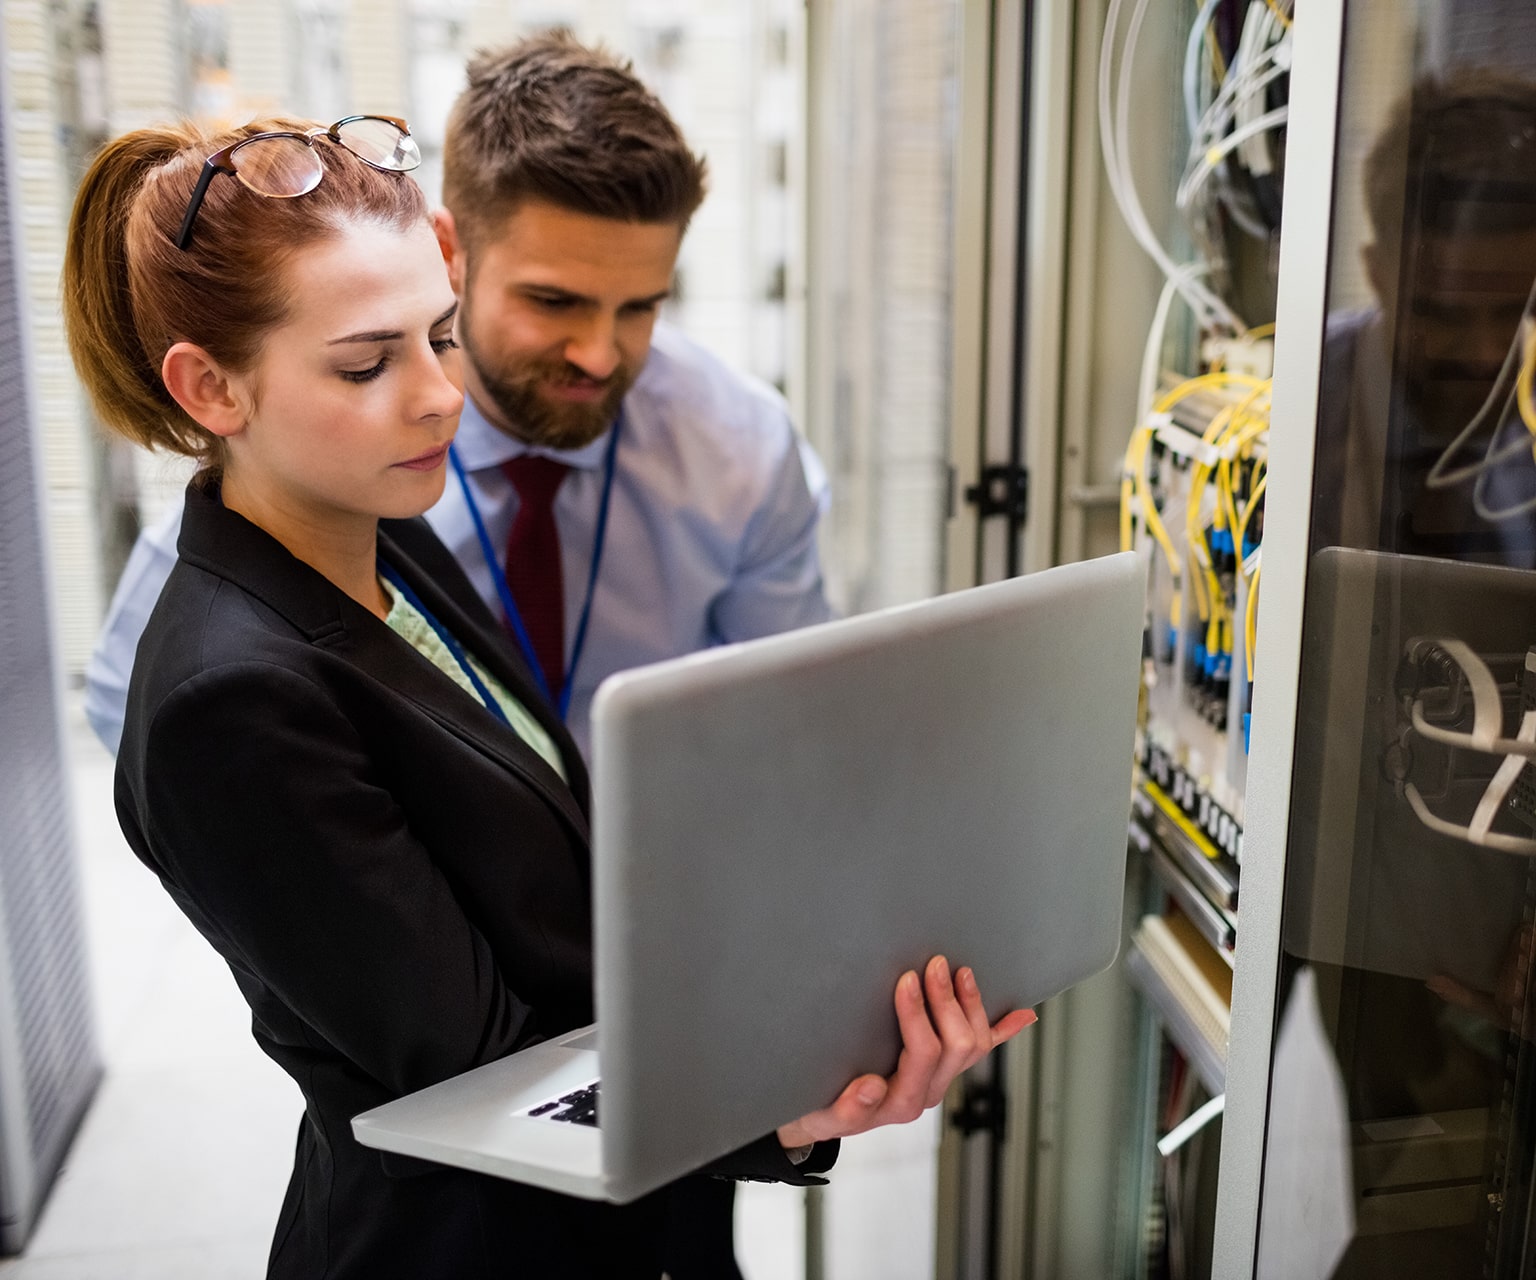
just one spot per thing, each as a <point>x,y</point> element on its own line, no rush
<point>1487,719</point>
<point>1467,741</point>
<point>1270,45</point>
<point>1487,709</point>
<point>1245,78</point>
<point>1192,181</point>
<point>1490,840</point>
<point>1192,64</point>
<point>1178,1136</point>
<point>1152,353</point>
<point>1262,56</point>
<point>1114,141</point>
<point>1440,477</point>
<point>1493,456</point>
<point>1493,798</point>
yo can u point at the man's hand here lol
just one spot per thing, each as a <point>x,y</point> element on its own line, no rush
<point>944,1030</point>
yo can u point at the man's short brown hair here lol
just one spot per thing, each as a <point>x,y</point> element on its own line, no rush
<point>550,119</point>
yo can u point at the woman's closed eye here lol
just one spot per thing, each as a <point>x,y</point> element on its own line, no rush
<point>368,374</point>
<point>441,346</point>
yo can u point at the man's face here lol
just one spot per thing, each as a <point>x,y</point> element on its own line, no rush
<point>1456,325</point>
<point>556,312</point>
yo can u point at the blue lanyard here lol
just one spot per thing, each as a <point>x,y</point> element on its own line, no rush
<point>452,645</point>
<point>504,590</point>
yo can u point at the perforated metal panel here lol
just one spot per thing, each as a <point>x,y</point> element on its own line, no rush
<point>48,1058</point>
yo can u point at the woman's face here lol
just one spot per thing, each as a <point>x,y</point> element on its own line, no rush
<point>355,397</point>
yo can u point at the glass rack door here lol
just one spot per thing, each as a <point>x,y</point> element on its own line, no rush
<point>1400,1127</point>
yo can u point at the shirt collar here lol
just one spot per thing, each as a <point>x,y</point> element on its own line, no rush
<point>480,445</point>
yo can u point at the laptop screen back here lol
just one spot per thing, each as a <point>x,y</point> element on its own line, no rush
<point>782,828</point>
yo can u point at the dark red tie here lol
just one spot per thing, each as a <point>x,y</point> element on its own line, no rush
<point>533,562</point>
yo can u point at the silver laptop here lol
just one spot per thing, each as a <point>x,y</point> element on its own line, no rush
<point>780,829</point>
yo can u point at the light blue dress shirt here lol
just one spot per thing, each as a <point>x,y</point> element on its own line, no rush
<point>711,530</point>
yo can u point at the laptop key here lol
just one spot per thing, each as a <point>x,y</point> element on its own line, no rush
<point>577,1107</point>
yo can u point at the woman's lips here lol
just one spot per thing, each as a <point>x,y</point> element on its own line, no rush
<point>426,461</point>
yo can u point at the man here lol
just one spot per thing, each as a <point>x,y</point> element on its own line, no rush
<point>1451,203</point>
<point>619,495</point>
<point>568,189</point>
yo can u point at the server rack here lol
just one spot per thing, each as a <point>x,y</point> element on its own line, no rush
<point>49,1065</point>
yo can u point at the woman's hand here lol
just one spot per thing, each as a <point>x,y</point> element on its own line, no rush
<point>1504,1006</point>
<point>944,1030</point>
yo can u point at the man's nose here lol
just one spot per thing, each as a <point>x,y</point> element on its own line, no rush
<point>595,349</point>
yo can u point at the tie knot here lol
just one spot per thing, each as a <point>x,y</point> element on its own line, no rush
<point>534,477</point>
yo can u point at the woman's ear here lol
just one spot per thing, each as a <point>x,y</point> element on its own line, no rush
<point>201,386</point>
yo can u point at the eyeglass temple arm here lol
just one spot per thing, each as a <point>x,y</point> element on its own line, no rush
<point>210,167</point>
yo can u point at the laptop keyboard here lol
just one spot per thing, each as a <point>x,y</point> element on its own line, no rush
<point>577,1107</point>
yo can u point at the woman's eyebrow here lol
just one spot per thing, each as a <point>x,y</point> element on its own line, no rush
<point>392,335</point>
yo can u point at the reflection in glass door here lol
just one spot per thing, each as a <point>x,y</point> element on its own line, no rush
<point>1400,1129</point>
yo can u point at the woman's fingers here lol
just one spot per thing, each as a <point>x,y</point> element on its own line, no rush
<point>961,1044</point>
<point>975,1013</point>
<point>1010,1024</point>
<point>944,1031</point>
<point>856,1109</point>
<point>921,1048</point>
<point>988,1035</point>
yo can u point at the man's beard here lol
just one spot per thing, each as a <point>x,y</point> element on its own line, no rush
<point>533,418</point>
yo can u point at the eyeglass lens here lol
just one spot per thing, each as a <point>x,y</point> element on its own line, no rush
<point>288,164</point>
<point>380,143</point>
<point>277,166</point>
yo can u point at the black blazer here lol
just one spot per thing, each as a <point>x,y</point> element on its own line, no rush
<point>399,884</point>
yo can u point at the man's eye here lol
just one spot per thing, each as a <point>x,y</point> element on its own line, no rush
<point>551,304</point>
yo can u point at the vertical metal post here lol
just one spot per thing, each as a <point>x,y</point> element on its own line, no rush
<point>1301,306</point>
<point>968,309</point>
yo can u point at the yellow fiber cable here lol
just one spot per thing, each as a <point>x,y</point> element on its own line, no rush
<point>1127,490</point>
<point>1250,620</point>
<point>1213,632</point>
<point>1237,445</point>
<point>1218,63</point>
<point>1200,475</point>
<point>1200,584</point>
<point>1249,508</point>
<point>1523,383</point>
<point>1135,488</point>
<point>1205,382</point>
<point>1244,426</point>
<point>1236,425</point>
<point>1151,517</point>
<point>1280,13</point>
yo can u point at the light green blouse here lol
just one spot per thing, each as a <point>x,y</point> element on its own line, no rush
<point>405,621</point>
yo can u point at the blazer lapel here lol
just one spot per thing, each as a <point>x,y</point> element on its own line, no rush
<point>432,571</point>
<point>226,544</point>
<point>386,656</point>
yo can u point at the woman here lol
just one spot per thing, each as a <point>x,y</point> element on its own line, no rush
<point>336,764</point>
